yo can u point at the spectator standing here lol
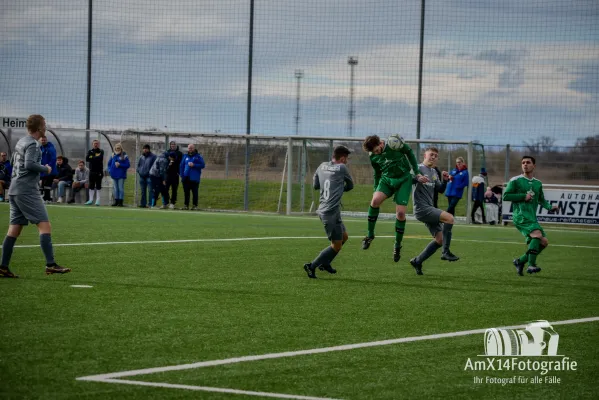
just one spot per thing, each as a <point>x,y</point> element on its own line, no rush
<point>117,168</point>
<point>458,180</point>
<point>48,158</point>
<point>172,178</point>
<point>190,171</point>
<point>81,181</point>
<point>144,164</point>
<point>95,159</point>
<point>158,177</point>
<point>478,196</point>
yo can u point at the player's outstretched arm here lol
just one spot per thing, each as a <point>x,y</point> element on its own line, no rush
<point>407,150</point>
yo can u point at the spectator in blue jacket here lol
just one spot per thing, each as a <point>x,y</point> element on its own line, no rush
<point>144,164</point>
<point>117,168</point>
<point>48,158</point>
<point>458,180</point>
<point>478,196</point>
<point>190,171</point>
<point>158,175</point>
<point>5,174</point>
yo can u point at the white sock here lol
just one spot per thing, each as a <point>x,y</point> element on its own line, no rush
<point>92,194</point>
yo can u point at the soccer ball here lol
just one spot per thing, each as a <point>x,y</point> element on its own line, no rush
<point>395,142</point>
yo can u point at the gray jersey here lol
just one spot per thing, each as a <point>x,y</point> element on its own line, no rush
<point>332,180</point>
<point>425,192</point>
<point>26,167</point>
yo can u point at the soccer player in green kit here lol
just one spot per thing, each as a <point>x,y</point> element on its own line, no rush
<point>392,178</point>
<point>526,194</point>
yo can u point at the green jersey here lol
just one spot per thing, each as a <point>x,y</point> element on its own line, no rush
<point>525,212</point>
<point>393,164</point>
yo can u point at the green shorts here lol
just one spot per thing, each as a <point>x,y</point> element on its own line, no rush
<point>399,188</point>
<point>528,228</point>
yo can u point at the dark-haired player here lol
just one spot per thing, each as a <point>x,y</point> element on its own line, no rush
<point>332,178</point>
<point>392,177</point>
<point>526,193</point>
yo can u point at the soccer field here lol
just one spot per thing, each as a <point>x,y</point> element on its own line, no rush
<point>181,299</point>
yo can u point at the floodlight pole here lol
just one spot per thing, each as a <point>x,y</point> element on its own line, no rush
<point>246,194</point>
<point>89,78</point>
<point>352,61</point>
<point>420,67</point>
<point>299,74</point>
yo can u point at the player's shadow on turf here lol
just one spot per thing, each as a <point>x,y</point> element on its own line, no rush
<point>435,287</point>
<point>519,281</point>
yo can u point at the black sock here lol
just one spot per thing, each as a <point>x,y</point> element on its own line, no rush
<point>428,251</point>
<point>325,257</point>
<point>7,248</point>
<point>446,236</point>
<point>46,244</point>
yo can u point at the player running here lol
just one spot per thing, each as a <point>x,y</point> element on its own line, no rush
<point>438,222</point>
<point>333,179</point>
<point>392,177</point>
<point>526,194</point>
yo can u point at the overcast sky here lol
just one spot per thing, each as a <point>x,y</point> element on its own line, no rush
<point>494,71</point>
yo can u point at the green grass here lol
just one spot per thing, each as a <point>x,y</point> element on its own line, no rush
<point>228,194</point>
<point>155,305</point>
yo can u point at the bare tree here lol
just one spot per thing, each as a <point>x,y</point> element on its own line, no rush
<point>541,145</point>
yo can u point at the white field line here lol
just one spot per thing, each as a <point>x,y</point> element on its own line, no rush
<point>236,360</point>
<point>213,389</point>
<point>24,246</point>
<point>306,217</point>
<point>113,377</point>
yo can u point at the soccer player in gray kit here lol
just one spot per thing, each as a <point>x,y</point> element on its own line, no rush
<point>332,178</point>
<point>26,204</point>
<point>438,222</point>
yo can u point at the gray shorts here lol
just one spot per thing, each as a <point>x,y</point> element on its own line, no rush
<point>333,225</point>
<point>25,208</point>
<point>431,218</point>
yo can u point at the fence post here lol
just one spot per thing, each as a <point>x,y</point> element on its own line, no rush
<point>469,187</point>
<point>227,163</point>
<point>137,139</point>
<point>506,175</point>
<point>330,149</point>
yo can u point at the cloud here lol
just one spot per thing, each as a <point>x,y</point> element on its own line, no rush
<point>184,64</point>
<point>511,77</point>
<point>586,80</point>
<point>505,57</point>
